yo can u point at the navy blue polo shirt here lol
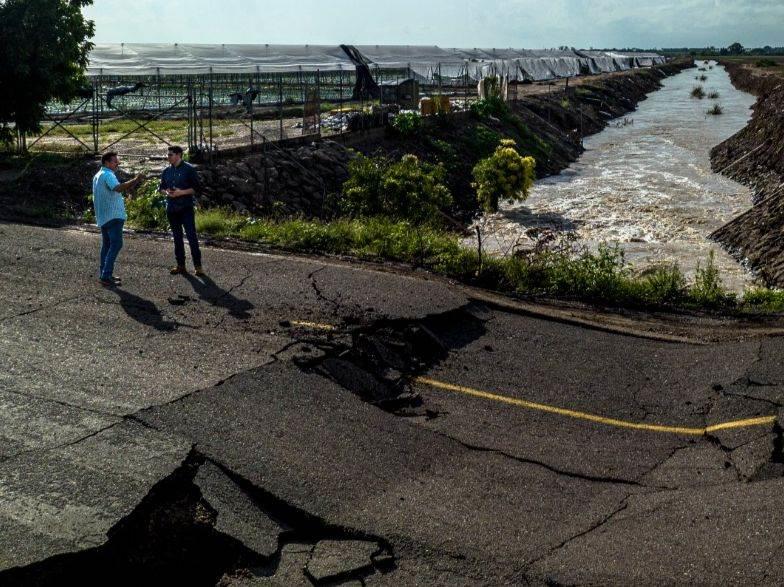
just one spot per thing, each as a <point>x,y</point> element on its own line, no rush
<point>182,177</point>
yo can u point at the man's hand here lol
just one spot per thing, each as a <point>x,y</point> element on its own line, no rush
<point>134,183</point>
<point>129,185</point>
<point>178,193</point>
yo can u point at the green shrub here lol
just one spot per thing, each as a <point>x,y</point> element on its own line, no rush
<point>490,106</point>
<point>698,92</point>
<point>407,124</point>
<point>147,207</point>
<point>446,154</point>
<point>708,290</point>
<point>761,299</point>
<point>713,95</point>
<point>663,284</point>
<point>89,212</point>
<point>716,110</point>
<point>505,175</point>
<point>766,63</point>
<point>483,140</point>
<point>404,190</point>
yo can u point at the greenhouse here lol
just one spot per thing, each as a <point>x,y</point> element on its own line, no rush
<point>218,97</point>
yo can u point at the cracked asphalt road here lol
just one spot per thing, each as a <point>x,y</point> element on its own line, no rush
<point>188,412</point>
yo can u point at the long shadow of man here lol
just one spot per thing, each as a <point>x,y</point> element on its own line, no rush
<point>214,295</point>
<point>144,311</point>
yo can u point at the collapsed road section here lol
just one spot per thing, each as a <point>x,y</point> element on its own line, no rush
<point>293,437</point>
<point>331,465</point>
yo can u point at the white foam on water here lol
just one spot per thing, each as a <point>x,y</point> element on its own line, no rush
<point>647,186</point>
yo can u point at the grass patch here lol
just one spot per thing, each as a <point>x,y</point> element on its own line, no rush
<point>713,95</point>
<point>763,300</point>
<point>716,110</point>
<point>697,92</point>
<point>600,277</point>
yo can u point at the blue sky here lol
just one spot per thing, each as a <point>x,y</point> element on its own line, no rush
<point>448,23</point>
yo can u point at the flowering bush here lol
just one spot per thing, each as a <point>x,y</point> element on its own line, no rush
<point>505,175</point>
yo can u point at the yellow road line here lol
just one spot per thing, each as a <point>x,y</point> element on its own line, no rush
<point>313,325</point>
<point>686,431</point>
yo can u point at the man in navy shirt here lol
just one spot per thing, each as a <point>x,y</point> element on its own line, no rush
<point>179,183</point>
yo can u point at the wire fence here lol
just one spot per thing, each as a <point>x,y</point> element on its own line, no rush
<point>140,116</point>
<point>210,114</point>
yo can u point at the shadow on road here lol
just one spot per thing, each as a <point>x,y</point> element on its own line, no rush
<point>143,311</point>
<point>214,295</point>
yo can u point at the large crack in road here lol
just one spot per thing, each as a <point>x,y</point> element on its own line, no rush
<point>328,462</point>
<point>186,529</point>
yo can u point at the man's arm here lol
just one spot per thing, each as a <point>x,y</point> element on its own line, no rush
<point>128,185</point>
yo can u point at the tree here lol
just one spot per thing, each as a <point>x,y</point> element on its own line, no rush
<point>735,49</point>
<point>44,45</point>
<point>505,175</point>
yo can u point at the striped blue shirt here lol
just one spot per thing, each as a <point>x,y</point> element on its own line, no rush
<point>109,204</point>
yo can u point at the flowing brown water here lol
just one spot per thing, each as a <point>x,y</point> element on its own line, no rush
<point>647,185</point>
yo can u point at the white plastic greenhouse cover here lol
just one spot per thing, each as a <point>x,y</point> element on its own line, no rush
<point>424,62</point>
<point>180,58</point>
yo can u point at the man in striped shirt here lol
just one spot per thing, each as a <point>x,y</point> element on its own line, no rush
<point>110,213</point>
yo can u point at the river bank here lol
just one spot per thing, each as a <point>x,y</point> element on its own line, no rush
<point>645,184</point>
<point>755,157</point>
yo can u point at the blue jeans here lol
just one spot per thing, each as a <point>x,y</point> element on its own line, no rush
<point>179,219</point>
<point>112,242</point>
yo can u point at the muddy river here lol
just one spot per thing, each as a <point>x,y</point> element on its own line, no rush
<point>646,184</point>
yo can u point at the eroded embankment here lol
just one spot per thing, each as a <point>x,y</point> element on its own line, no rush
<point>302,178</point>
<point>548,127</point>
<point>755,157</point>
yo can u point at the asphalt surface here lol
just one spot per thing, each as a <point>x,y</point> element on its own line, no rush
<point>295,421</point>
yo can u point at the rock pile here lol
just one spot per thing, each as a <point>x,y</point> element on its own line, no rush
<point>285,179</point>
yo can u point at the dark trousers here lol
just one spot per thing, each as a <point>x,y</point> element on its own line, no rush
<point>179,220</point>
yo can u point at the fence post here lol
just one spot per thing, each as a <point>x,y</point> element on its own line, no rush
<point>212,143</point>
<point>94,118</point>
<point>250,108</point>
<point>318,100</point>
<point>479,249</point>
